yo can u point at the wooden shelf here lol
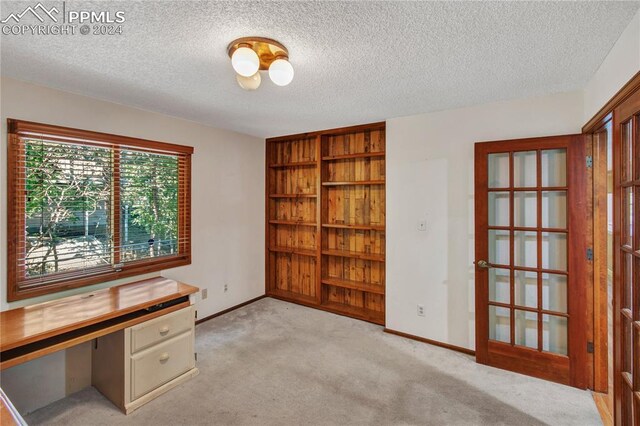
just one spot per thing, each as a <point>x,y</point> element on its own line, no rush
<point>350,156</point>
<point>356,312</point>
<point>347,183</point>
<point>290,296</point>
<point>347,226</point>
<point>354,255</point>
<point>293,250</point>
<point>354,285</point>
<point>291,165</point>
<point>293,196</point>
<point>292,222</point>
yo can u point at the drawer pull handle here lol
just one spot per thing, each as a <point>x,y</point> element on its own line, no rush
<point>164,357</point>
<point>164,330</point>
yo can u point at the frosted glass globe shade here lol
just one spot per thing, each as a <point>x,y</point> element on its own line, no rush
<point>245,61</point>
<point>249,83</point>
<point>281,72</point>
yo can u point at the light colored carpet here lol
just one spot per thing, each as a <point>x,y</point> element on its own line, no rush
<point>276,363</point>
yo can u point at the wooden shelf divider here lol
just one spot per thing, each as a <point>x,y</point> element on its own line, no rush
<point>353,182</point>
<point>354,255</point>
<point>354,285</point>
<point>293,196</point>
<point>352,156</point>
<point>292,223</point>
<point>291,165</point>
<point>294,250</point>
<point>348,226</point>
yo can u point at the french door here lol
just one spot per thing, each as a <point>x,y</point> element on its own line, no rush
<point>531,253</point>
<point>626,153</point>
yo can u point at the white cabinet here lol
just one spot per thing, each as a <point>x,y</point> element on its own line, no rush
<point>135,365</point>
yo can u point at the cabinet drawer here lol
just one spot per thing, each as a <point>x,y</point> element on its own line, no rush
<point>158,329</point>
<point>161,363</point>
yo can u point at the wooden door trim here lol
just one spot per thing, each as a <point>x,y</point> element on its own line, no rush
<point>604,114</point>
<point>617,385</point>
<point>598,306</point>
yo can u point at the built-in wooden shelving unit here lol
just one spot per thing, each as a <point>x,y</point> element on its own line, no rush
<point>325,244</point>
<point>293,218</point>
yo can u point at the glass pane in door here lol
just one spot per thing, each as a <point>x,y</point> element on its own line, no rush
<point>554,209</point>
<point>554,334</point>
<point>524,169</point>
<point>526,328</point>
<point>554,167</point>
<point>499,247</point>
<point>627,216</point>
<point>554,251</point>
<point>499,324</point>
<point>498,173</point>
<point>627,151</point>
<point>627,281</point>
<point>525,249</point>
<point>627,338</point>
<point>525,209</point>
<point>554,292</point>
<point>500,285</point>
<point>499,208</point>
<point>526,288</point>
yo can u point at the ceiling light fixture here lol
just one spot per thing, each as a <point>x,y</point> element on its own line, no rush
<point>250,55</point>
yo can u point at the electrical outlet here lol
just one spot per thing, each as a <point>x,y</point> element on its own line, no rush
<point>226,287</point>
<point>421,310</point>
<point>205,293</point>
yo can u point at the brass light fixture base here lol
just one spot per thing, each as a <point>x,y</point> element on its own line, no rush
<point>268,50</point>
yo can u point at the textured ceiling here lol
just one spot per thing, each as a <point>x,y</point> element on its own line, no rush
<point>355,62</point>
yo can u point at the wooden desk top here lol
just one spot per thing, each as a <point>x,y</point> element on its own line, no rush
<point>26,325</point>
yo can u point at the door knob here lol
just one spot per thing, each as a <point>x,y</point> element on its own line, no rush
<point>483,264</point>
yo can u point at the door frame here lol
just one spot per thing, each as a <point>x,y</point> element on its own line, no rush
<point>577,359</point>
<point>598,307</point>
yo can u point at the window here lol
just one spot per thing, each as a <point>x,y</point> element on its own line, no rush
<point>87,207</point>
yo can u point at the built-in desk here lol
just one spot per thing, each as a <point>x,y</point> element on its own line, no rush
<point>130,322</point>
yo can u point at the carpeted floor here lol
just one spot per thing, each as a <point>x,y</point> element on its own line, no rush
<point>276,363</point>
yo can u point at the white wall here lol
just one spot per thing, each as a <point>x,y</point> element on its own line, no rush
<point>622,63</point>
<point>227,212</point>
<point>430,176</point>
